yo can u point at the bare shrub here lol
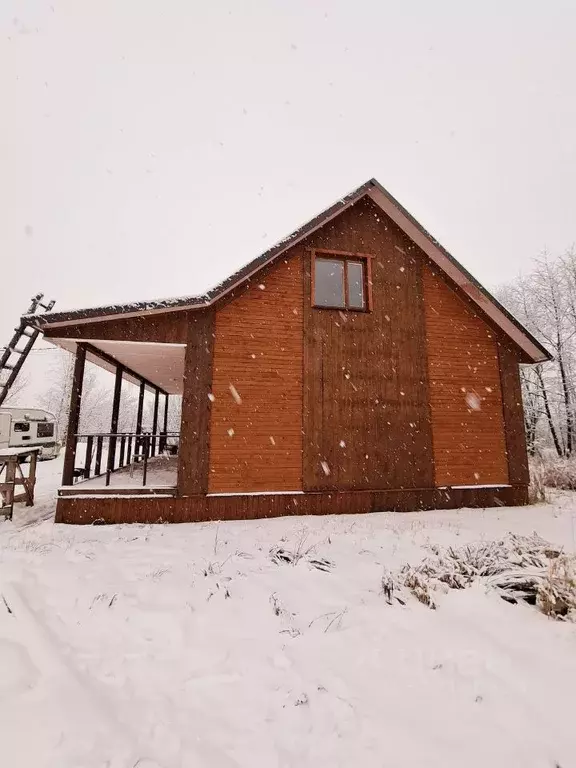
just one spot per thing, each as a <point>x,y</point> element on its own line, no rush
<point>518,568</point>
<point>557,591</point>
<point>558,473</point>
<point>537,488</point>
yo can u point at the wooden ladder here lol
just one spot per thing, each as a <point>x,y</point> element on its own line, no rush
<point>15,354</point>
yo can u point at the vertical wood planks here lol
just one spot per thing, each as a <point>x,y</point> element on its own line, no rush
<point>193,454</point>
<point>513,415</point>
<point>189,509</point>
<point>366,410</point>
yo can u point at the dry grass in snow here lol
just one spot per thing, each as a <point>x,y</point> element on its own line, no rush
<point>272,643</point>
<point>519,568</point>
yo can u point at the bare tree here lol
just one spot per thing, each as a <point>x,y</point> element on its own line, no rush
<point>95,409</point>
<point>17,390</point>
<point>545,302</point>
<point>557,328</point>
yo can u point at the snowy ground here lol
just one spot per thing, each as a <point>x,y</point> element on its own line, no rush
<point>183,646</point>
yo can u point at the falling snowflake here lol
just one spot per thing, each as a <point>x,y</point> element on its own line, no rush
<point>342,444</point>
<point>272,440</point>
<point>473,401</point>
<point>231,432</point>
<point>325,467</point>
<point>211,397</point>
<point>234,393</point>
<point>262,287</point>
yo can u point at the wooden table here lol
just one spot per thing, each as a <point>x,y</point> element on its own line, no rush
<point>11,463</point>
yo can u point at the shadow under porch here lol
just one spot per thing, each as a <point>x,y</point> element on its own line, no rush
<point>141,458</point>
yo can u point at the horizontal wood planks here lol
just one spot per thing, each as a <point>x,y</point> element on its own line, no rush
<point>366,411</point>
<point>465,394</point>
<point>245,507</point>
<point>167,327</point>
<point>256,415</point>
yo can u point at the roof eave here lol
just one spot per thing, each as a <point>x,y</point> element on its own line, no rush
<point>527,343</point>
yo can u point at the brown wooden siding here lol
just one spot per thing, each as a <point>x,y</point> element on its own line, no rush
<point>167,327</point>
<point>465,394</point>
<point>193,455</point>
<point>513,414</point>
<point>199,508</point>
<point>366,411</point>
<point>256,444</point>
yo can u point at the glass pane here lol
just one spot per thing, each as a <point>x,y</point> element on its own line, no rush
<point>356,284</point>
<point>329,283</point>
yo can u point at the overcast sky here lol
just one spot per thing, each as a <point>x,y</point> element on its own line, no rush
<point>151,147</point>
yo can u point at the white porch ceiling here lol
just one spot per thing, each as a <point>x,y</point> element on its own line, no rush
<point>161,364</point>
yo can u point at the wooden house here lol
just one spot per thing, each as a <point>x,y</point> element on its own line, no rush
<point>356,366</point>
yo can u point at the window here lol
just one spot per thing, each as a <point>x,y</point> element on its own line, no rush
<point>45,429</point>
<point>341,280</point>
<point>356,281</point>
<point>22,426</point>
<point>329,283</point>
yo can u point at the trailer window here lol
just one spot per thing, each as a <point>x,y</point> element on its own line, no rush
<point>45,430</point>
<point>22,426</point>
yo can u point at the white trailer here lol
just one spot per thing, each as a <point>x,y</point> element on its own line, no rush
<point>29,428</point>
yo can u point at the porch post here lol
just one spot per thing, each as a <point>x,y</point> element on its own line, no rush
<point>155,420</point>
<point>140,412</point>
<point>114,422</point>
<point>74,415</point>
<point>194,449</point>
<point>166,412</point>
<point>139,416</point>
<point>164,430</point>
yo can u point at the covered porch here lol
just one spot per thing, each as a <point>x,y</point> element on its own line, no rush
<point>138,455</point>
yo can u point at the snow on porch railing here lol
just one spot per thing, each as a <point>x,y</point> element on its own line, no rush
<point>108,452</point>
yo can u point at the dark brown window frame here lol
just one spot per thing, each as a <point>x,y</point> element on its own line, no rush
<point>345,256</point>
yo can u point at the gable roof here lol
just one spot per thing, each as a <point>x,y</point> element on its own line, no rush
<point>533,349</point>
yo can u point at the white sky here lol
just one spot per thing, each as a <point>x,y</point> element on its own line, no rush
<point>150,148</point>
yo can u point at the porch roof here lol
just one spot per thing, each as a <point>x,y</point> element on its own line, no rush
<point>162,365</point>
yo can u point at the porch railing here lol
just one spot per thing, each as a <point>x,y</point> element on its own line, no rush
<point>108,452</point>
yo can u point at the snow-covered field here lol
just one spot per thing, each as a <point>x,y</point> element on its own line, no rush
<point>184,646</point>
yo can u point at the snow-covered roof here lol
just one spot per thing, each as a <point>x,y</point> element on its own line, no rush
<point>534,351</point>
